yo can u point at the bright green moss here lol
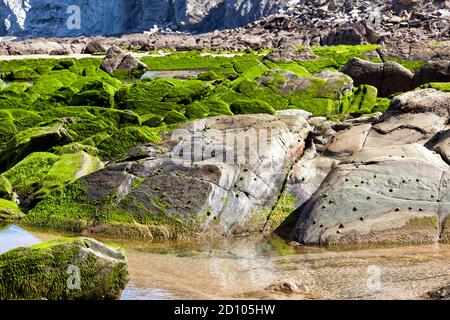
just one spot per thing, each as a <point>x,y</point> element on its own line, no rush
<point>44,271</point>
<point>31,140</point>
<point>316,66</point>
<point>151,120</point>
<point>343,53</point>
<point>174,117</point>
<point>442,86</point>
<point>95,93</point>
<point>68,168</point>
<point>364,99</point>
<point>253,90</point>
<point>412,65</point>
<point>381,105</point>
<point>127,138</point>
<point>75,148</point>
<point>28,176</point>
<point>251,106</point>
<point>184,60</point>
<point>197,110</point>
<point>9,210</point>
<point>6,189</point>
<point>64,209</point>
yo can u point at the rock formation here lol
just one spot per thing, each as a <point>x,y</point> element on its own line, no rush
<point>387,187</point>
<point>64,269</point>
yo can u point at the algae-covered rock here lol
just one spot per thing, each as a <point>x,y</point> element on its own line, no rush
<point>6,190</point>
<point>33,140</point>
<point>43,172</point>
<point>9,210</point>
<point>322,94</point>
<point>253,106</point>
<point>95,93</point>
<point>363,100</point>
<point>63,269</point>
<point>168,190</point>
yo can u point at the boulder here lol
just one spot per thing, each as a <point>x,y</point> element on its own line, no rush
<point>121,64</point>
<point>442,293</point>
<point>63,269</point>
<point>9,210</point>
<point>415,116</point>
<point>33,140</point>
<point>307,175</point>
<point>388,77</point>
<point>392,194</point>
<point>215,176</point>
<point>432,71</point>
<point>421,101</point>
<point>93,47</point>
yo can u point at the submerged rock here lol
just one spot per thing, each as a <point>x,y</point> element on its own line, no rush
<point>78,268</point>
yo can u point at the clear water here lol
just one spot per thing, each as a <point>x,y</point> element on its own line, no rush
<point>244,268</point>
<point>174,74</point>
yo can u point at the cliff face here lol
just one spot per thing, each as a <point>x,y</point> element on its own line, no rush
<point>47,18</point>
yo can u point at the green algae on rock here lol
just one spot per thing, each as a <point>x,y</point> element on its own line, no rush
<point>42,172</point>
<point>9,210</point>
<point>63,269</point>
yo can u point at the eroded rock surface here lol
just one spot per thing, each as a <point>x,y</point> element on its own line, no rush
<point>387,181</point>
<point>118,61</point>
<point>227,184</point>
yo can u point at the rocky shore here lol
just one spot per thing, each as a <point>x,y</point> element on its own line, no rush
<point>325,124</point>
<point>410,29</point>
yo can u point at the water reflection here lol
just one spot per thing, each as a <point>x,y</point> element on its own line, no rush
<point>245,268</point>
<point>12,236</point>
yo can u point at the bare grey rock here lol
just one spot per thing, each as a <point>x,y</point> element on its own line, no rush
<point>388,77</point>
<point>394,194</point>
<point>118,60</point>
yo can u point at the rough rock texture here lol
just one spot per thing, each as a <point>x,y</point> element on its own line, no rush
<point>228,184</point>
<point>388,77</point>
<point>439,294</point>
<point>432,71</point>
<point>379,182</point>
<point>117,60</point>
<point>78,268</point>
<point>9,210</point>
<point>48,18</point>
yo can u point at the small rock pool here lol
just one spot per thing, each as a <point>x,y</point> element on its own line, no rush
<point>244,268</point>
<point>174,74</point>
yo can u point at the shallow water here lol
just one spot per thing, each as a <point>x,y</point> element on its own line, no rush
<point>175,74</point>
<point>244,268</point>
